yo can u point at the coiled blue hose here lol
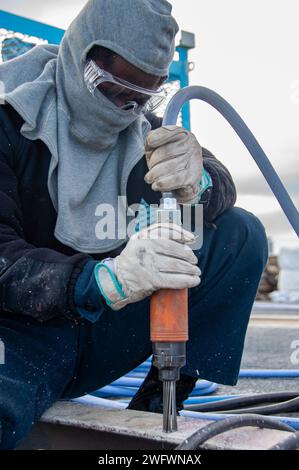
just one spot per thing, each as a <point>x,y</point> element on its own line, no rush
<point>125,388</point>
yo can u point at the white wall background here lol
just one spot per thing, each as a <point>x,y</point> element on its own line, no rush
<point>248,51</point>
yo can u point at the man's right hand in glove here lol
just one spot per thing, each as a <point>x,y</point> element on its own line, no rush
<point>155,258</point>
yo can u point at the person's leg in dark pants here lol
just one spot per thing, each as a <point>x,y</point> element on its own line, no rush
<point>39,360</point>
<point>232,259</point>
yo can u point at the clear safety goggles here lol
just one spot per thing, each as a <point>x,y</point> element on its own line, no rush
<point>116,89</point>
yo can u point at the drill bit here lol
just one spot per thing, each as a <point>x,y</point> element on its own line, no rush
<point>169,406</point>
<point>169,358</point>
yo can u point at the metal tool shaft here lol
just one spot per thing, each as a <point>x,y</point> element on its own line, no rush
<point>169,406</point>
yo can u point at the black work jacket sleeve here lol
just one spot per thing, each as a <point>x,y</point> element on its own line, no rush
<point>38,282</point>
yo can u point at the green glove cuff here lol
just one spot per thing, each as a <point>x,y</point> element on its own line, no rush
<point>113,286</point>
<point>205,183</point>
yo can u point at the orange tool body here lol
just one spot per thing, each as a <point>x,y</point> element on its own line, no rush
<point>169,315</point>
<point>169,328</point>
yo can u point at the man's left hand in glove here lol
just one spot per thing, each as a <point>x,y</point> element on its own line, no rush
<point>175,162</point>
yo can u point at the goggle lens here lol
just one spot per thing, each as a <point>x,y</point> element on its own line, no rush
<point>118,90</point>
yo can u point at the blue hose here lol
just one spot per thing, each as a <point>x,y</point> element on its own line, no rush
<point>248,139</point>
<point>125,388</point>
<point>128,385</point>
<point>268,373</point>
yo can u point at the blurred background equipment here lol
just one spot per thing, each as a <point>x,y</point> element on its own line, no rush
<point>269,279</point>
<point>287,289</point>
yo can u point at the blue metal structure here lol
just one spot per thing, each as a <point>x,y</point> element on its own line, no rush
<point>178,71</point>
<point>30,27</point>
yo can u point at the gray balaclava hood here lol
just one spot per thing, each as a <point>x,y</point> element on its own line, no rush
<point>94,144</point>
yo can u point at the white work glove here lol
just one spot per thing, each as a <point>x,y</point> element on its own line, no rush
<point>157,257</point>
<point>175,162</point>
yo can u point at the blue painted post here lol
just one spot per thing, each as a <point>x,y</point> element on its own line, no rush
<point>184,81</point>
<point>179,71</point>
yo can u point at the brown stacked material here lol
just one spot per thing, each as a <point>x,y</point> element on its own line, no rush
<point>269,279</point>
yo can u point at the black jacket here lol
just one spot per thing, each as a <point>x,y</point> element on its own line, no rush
<point>38,274</point>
